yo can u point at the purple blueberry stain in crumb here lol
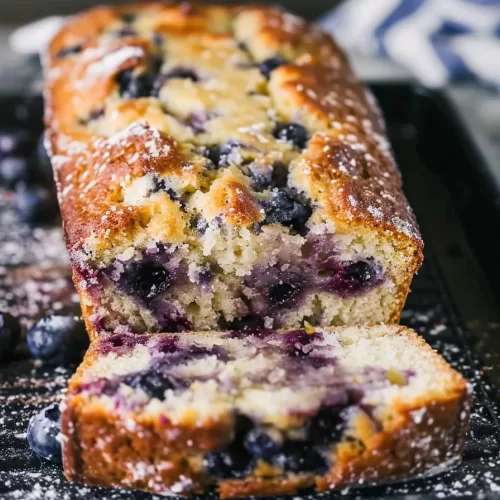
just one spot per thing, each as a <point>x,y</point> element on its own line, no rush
<point>292,132</point>
<point>121,343</point>
<point>152,383</point>
<point>267,66</point>
<point>167,345</point>
<point>351,279</point>
<point>168,317</point>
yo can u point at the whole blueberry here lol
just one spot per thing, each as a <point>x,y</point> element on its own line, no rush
<point>263,443</point>
<point>283,294</point>
<point>327,426</point>
<point>35,204</point>
<point>234,462</point>
<point>284,209</point>
<point>297,456</point>
<point>16,143</point>
<point>353,278</point>
<point>13,170</point>
<point>292,132</point>
<point>222,156</point>
<point>57,339</point>
<point>10,333</point>
<point>135,86</point>
<point>150,279</point>
<point>44,433</point>
<point>267,66</point>
<point>152,383</point>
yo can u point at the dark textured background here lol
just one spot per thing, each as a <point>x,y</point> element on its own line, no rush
<point>16,11</point>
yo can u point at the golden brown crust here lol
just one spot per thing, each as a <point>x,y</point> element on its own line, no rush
<point>319,86</point>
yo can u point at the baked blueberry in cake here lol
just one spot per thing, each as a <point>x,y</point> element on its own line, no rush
<point>261,412</point>
<point>218,165</point>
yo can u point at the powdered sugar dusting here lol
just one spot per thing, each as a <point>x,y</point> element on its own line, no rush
<point>112,61</point>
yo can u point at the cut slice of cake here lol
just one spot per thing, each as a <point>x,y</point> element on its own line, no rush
<point>262,412</point>
<point>220,167</point>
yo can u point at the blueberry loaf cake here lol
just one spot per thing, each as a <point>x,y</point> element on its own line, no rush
<point>221,167</point>
<point>260,412</point>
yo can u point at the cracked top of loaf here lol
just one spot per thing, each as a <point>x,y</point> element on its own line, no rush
<point>163,119</point>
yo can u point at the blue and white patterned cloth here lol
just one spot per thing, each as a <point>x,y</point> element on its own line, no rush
<point>437,40</point>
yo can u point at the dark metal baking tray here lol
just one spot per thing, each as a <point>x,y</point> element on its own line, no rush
<point>453,304</point>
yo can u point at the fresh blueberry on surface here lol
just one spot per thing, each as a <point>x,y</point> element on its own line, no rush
<point>68,51</point>
<point>297,456</point>
<point>284,209</point>
<point>282,294</point>
<point>16,143</point>
<point>10,333</point>
<point>13,170</point>
<point>57,339</point>
<point>292,132</point>
<point>150,280</point>
<point>43,433</point>
<point>263,443</point>
<point>35,204</point>
<point>152,383</point>
<point>234,462</point>
<point>267,66</point>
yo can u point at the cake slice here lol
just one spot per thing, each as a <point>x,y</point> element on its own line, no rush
<point>262,412</point>
<point>221,166</point>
